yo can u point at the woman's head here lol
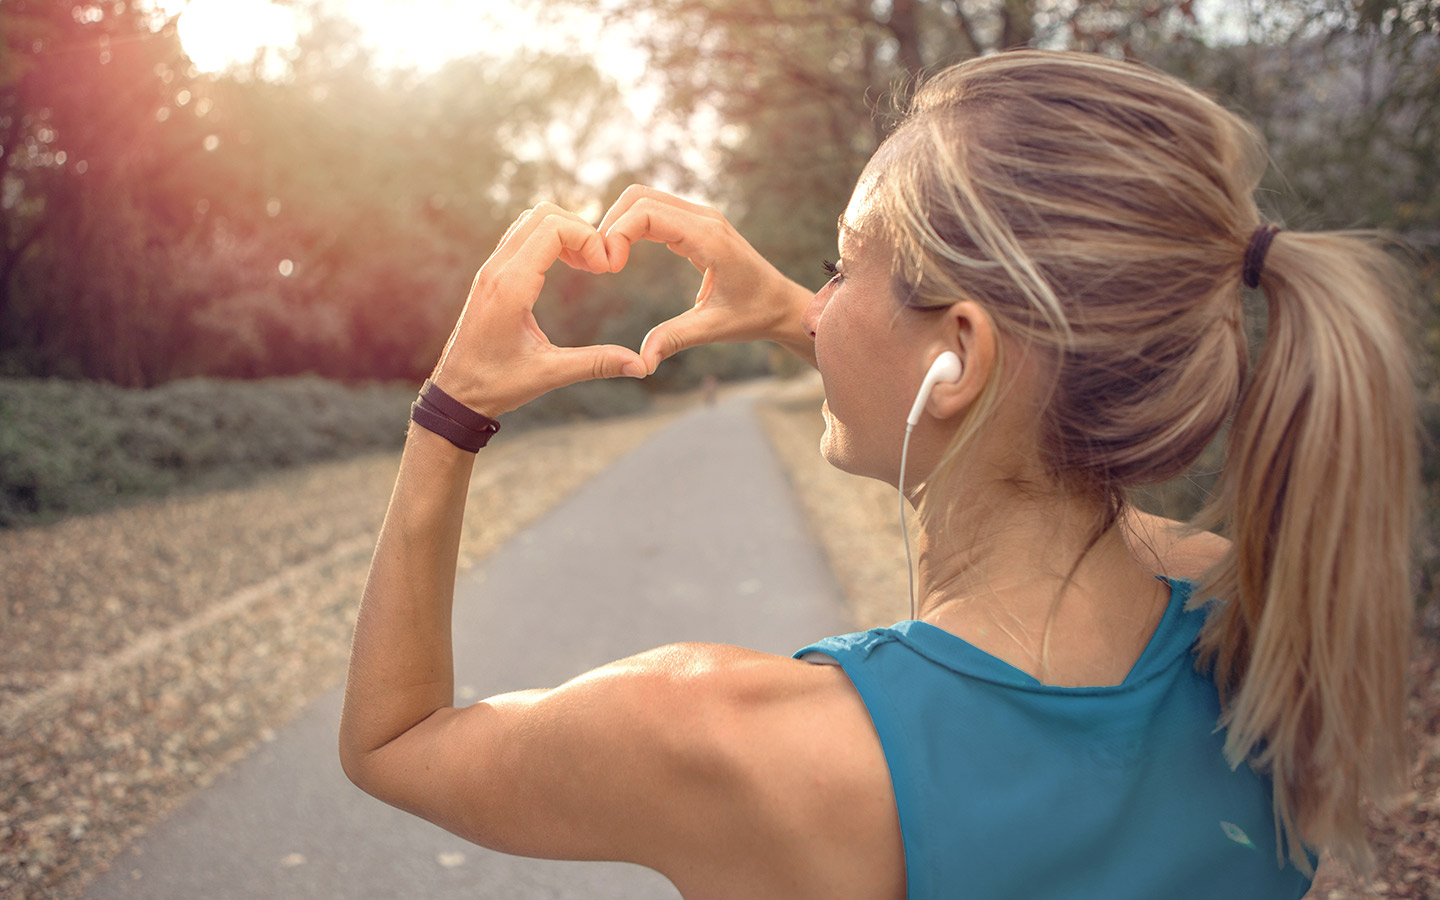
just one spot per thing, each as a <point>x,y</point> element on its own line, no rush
<point>873,354</point>
<point>1099,212</point>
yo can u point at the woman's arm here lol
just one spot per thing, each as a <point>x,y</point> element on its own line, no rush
<point>400,683</point>
<point>742,296</point>
<point>401,670</point>
<point>700,761</point>
<point>497,359</point>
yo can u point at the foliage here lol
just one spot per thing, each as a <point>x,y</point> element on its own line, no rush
<point>75,446</point>
<point>159,224</point>
<point>803,89</point>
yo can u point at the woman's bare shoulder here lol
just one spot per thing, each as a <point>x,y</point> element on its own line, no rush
<point>794,776</point>
<point>805,754</point>
<point>1172,548</point>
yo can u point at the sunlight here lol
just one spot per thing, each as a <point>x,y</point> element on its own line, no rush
<point>219,34</point>
<point>420,35</point>
<point>424,34</point>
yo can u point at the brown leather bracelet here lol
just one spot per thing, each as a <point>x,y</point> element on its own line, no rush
<point>432,397</point>
<point>457,423</point>
<point>454,432</point>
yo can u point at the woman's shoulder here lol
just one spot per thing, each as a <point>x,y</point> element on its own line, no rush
<point>794,764</point>
<point>748,698</point>
<point>1173,549</point>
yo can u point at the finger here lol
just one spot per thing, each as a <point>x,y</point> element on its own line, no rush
<point>689,329</point>
<point>623,203</point>
<point>576,261</point>
<point>552,236</point>
<point>567,365</point>
<point>636,192</point>
<point>685,232</point>
<point>513,225</point>
<point>521,229</point>
<point>508,242</point>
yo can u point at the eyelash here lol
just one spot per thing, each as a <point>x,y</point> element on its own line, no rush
<point>831,269</point>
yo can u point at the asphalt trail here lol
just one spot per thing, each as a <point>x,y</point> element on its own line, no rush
<point>692,536</point>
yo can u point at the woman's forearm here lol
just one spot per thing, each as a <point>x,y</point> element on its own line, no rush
<point>401,663</point>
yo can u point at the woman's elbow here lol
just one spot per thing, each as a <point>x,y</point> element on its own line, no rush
<point>354,761</point>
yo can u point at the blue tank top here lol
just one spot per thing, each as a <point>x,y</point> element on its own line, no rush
<point>1008,788</point>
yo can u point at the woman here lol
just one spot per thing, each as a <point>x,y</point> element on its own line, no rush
<point>1076,231</point>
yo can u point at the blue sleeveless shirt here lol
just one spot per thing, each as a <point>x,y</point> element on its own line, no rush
<point>1008,788</point>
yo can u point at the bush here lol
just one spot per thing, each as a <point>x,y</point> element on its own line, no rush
<point>75,446</point>
<point>586,400</point>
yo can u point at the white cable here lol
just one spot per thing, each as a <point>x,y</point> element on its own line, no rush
<point>946,367</point>
<point>904,531</point>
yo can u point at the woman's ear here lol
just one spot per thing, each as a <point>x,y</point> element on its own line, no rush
<point>971,334</point>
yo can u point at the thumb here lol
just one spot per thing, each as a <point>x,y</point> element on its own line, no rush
<point>671,336</point>
<point>568,365</point>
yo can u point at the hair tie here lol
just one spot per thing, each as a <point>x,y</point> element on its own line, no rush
<point>1255,253</point>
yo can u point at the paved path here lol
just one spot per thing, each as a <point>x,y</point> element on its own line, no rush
<point>693,536</point>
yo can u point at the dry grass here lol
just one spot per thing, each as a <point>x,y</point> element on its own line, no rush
<point>148,648</point>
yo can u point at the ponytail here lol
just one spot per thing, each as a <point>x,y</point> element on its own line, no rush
<point>1309,641</point>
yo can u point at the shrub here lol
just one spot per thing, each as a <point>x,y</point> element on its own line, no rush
<point>76,446</point>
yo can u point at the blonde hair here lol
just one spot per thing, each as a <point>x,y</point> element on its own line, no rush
<point>1100,212</point>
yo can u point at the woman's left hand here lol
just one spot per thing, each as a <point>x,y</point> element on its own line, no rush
<point>497,358</point>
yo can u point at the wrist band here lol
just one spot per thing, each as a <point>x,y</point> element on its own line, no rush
<point>457,423</point>
<point>433,397</point>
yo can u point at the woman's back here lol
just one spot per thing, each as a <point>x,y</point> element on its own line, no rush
<point>1013,788</point>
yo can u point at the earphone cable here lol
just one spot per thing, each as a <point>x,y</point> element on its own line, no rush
<point>904,531</point>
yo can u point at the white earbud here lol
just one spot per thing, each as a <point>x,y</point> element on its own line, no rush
<point>945,368</point>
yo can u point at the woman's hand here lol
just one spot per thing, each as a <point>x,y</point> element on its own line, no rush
<point>497,357</point>
<point>742,297</point>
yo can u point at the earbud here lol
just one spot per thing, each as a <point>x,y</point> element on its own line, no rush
<point>946,367</point>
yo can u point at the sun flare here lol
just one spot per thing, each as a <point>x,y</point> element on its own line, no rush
<point>420,35</point>
<point>218,34</point>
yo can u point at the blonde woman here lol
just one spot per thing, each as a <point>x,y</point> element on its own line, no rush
<point>1087,701</point>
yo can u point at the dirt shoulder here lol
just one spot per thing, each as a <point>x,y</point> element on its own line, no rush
<point>856,521</point>
<point>147,648</point>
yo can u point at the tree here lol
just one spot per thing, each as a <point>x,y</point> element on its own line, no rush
<point>800,90</point>
<point>159,223</point>
<point>86,92</point>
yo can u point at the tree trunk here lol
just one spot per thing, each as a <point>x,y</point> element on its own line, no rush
<point>9,263</point>
<point>1017,23</point>
<point>905,25</point>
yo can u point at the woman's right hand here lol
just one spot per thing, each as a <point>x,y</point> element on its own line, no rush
<point>742,297</point>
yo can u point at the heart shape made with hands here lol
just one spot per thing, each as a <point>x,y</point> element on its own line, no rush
<point>742,297</point>
<point>498,358</point>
